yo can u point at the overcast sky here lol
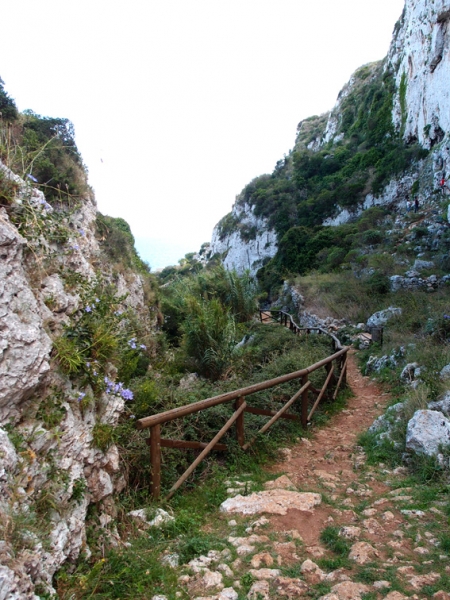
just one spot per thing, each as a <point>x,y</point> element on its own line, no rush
<point>177,104</point>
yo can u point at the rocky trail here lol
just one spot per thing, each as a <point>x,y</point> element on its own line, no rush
<point>327,526</point>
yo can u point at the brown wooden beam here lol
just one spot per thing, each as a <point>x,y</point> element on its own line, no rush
<point>206,451</point>
<point>188,445</point>
<point>240,432</point>
<point>277,415</point>
<point>324,389</point>
<point>182,411</point>
<point>270,413</point>
<point>155,460</point>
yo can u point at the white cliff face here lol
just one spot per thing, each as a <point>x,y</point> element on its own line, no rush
<point>394,193</point>
<point>241,254</point>
<point>420,57</point>
<point>45,463</point>
<point>24,344</point>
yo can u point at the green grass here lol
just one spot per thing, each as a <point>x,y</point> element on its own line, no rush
<point>332,540</point>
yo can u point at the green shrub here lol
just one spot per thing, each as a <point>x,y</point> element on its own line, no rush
<point>378,283</point>
<point>209,336</point>
<point>103,436</point>
<point>372,236</point>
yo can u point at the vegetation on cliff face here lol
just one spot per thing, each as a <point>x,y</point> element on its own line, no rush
<point>312,182</point>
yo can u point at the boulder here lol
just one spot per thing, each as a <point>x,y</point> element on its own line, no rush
<point>347,590</point>
<point>260,590</point>
<point>410,373</point>
<point>445,373</point>
<point>421,265</point>
<point>140,516</point>
<point>442,404</point>
<point>426,431</point>
<point>381,317</point>
<point>362,553</point>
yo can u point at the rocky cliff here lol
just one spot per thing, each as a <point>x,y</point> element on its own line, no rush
<point>59,386</point>
<point>247,246</point>
<point>385,140</point>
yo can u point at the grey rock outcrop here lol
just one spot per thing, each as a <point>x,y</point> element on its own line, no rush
<point>445,373</point>
<point>384,422</point>
<point>419,55</point>
<point>24,344</point>
<point>56,459</point>
<point>427,431</point>
<point>410,373</point>
<point>380,318</point>
<point>442,404</point>
<point>240,251</point>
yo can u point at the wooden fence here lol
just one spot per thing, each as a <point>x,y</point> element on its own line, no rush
<point>286,320</point>
<point>336,369</point>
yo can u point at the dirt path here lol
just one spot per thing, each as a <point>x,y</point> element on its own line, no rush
<point>366,538</point>
<point>329,462</point>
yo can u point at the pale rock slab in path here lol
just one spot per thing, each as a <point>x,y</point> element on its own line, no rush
<point>265,573</point>
<point>347,590</point>
<point>362,553</point>
<point>260,590</point>
<point>312,572</point>
<point>275,502</point>
<point>290,587</point>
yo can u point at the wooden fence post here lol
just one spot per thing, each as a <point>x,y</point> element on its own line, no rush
<point>328,367</point>
<point>344,367</point>
<point>155,460</point>
<point>305,403</point>
<point>240,435</point>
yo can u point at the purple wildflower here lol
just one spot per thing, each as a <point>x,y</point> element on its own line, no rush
<point>81,396</point>
<point>30,176</point>
<point>95,373</point>
<point>127,394</point>
<point>132,343</point>
<point>88,309</point>
<point>82,232</point>
<point>143,347</point>
<point>88,364</point>
<point>446,316</point>
<point>75,247</point>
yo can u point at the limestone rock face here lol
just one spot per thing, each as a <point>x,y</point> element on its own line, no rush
<point>56,459</point>
<point>24,343</point>
<point>241,251</point>
<point>419,55</point>
<point>426,431</point>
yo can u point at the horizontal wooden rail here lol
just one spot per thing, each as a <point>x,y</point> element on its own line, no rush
<point>270,413</point>
<point>182,411</point>
<point>188,445</point>
<point>283,318</point>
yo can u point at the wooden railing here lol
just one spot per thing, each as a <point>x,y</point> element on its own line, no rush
<point>285,319</point>
<point>336,374</point>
